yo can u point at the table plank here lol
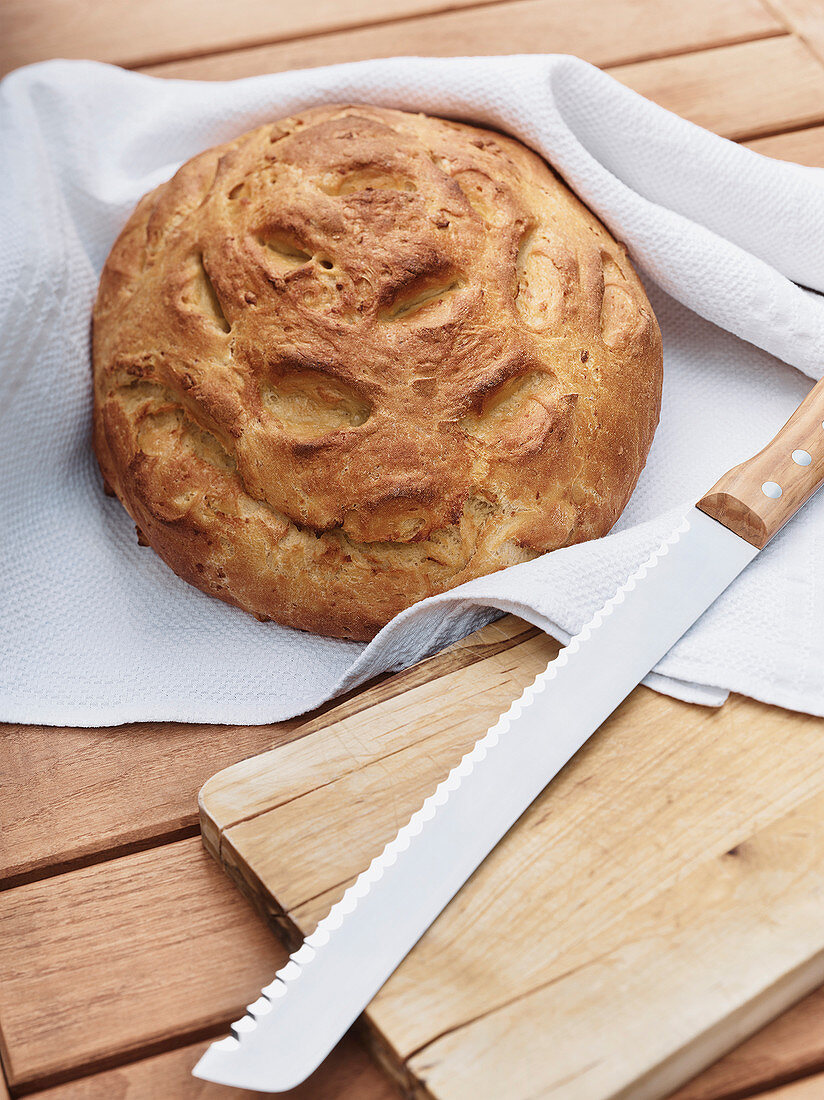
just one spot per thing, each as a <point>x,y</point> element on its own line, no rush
<point>347,1074</point>
<point>613,31</point>
<point>117,788</point>
<point>129,33</point>
<point>739,91</point>
<point>750,1055</point>
<point>750,1064</point>
<point>789,1047</point>
<point>806,19</point>
<point>105,962</point>
<point>60,945</point>
<point>723,89</point>
<point>810,1089</point>
<point>802,146</point>
<point>132,785</point>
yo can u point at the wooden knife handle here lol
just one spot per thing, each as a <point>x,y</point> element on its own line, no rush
<point>757,498</point>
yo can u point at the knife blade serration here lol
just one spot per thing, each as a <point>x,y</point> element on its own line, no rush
<point>340,967</point>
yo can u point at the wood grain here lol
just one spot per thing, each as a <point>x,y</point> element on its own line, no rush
<point>134,785</point>
<point>117,787</point>
<point>723,89</point>
<point>792,1045</point>
<point>474,689</point>
<point>347,1074</point>
<point>792,464</point>
<point>703,972</point>
<point>647,855</point>
<point>158,904</point>
<point>613,31</point>
<point>802,146</point>
<point>111,959</point>
<point>806,19</point>
<point>154,890</point>
<point>811,1089</point>
<point>738,91</point>
<point>128,33</point>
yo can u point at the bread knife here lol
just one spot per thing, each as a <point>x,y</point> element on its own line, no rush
<point>333,976</point>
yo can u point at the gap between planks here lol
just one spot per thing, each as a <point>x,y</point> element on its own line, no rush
<point>749,1091</point>
<point>615,32</point>
<point>180,32</point>
<point>80,955</point>
<point>411,21</point>
<point>186,28</point>
<point>80,959</point>
<point>791,1045</point>
<point>100,855</point>
<point>805,18</point>
<point>810,1088</point>
<point>722,88</point>
<point>104,875</point>
<point>66,1080</point>
<point>347,1074</point>
<point>156,802</point>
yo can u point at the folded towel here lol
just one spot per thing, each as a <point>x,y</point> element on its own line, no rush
<point>97,631</point>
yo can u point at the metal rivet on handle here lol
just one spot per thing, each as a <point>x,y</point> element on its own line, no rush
<point>802,458</point>
<point>772,490</point>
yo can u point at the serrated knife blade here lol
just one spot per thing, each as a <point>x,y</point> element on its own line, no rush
<point>328,982</point>
<point>337,971</point>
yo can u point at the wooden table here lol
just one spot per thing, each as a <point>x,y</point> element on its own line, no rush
<point>123,947</point>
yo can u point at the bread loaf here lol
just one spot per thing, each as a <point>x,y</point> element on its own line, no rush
<point>360,356</point>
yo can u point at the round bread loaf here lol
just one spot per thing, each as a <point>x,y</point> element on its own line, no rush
<point>360,356</point>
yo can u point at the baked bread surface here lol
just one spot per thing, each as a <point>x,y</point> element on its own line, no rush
<point>360,356</point>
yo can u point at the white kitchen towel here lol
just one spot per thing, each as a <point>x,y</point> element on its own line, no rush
<point>96,631</point>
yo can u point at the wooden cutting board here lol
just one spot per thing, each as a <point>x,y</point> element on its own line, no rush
<point>662,900</point>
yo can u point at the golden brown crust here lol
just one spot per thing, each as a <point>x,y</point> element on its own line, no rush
<point>361,356</point>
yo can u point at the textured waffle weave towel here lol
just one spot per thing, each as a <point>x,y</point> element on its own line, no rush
<point>97,631</point>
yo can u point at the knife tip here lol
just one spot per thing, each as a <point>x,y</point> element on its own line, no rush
<point>220,1065</point>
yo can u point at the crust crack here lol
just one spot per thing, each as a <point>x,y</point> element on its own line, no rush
<point>209,300</point>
